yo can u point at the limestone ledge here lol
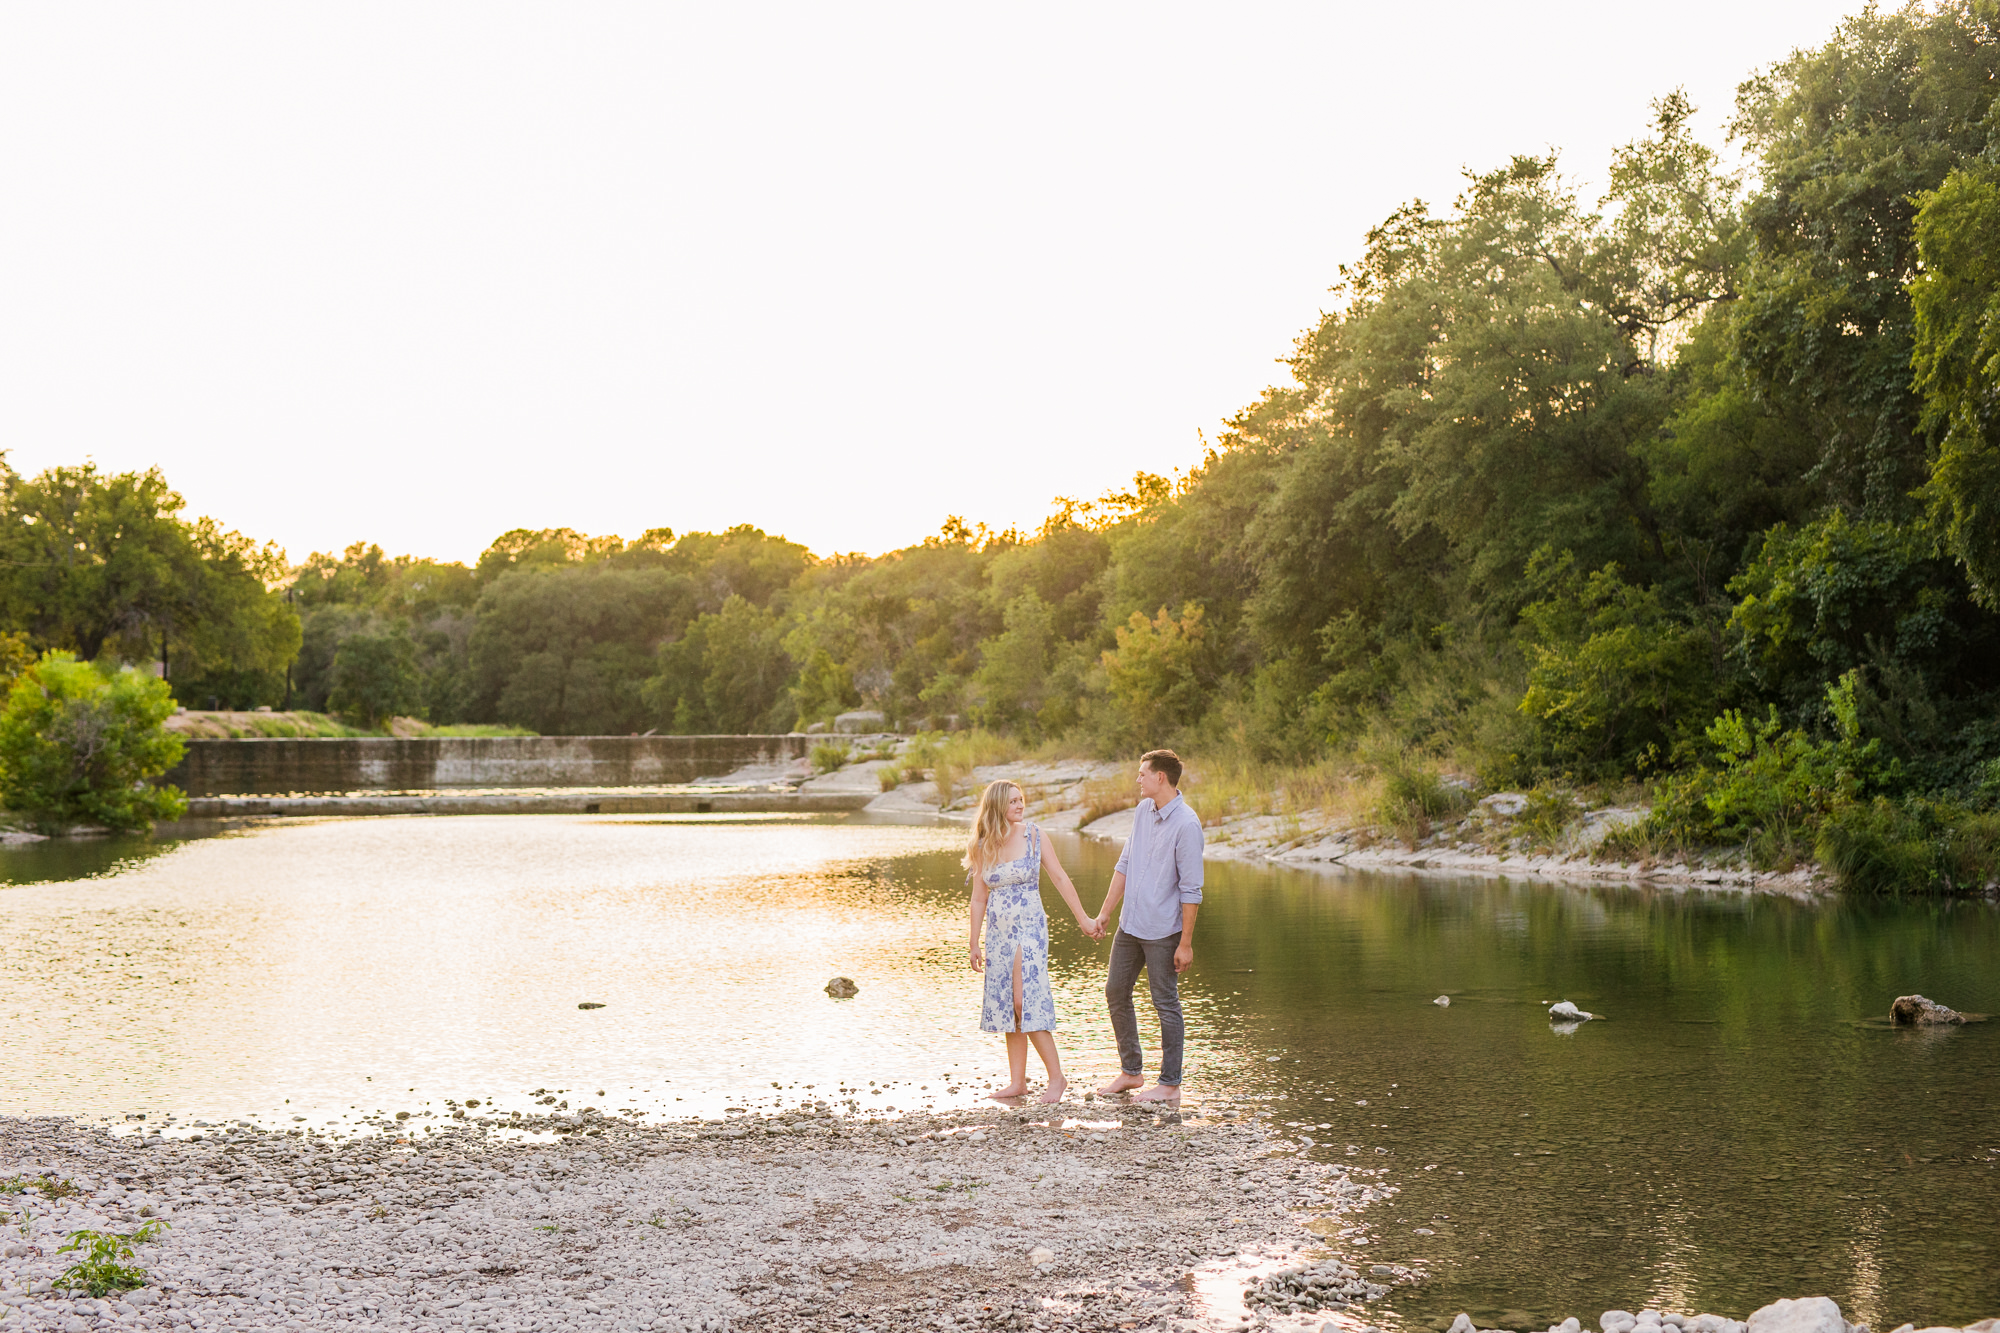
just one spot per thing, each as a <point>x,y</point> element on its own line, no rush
<point>1058,795</point>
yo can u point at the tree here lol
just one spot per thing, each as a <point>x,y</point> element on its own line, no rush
<point>1849,136</point>
<point>1157,674</point>
<point>1617,679</point>
<point>102,565</point>
<point>84,745</point>
<point>728,674</point>
<point>565,650</point>
<point>1013,682</point>
<point>375,678</point>
<point>1957,358</point>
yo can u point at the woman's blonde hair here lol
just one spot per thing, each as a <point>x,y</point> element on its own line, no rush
<point>990,828</point>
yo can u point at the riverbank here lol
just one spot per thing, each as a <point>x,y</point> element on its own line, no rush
<point>1506,833</point>
<point>1078,1217</point>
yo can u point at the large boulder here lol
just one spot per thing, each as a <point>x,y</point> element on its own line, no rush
<point>1915,1011</point>
<point>1807,1314</point>
<point>861,722</point>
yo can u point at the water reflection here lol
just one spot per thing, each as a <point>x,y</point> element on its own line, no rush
<point>1737,1127</point>
<point>62,859</point>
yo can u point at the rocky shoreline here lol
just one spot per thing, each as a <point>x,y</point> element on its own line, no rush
<point>1485,840</point>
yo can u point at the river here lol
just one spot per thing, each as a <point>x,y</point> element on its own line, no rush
<point>1740,1125</point>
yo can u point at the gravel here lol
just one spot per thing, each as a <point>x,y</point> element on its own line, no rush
<point>990,1219</point>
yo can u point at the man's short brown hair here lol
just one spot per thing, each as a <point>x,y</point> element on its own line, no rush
<point>1164,762</point>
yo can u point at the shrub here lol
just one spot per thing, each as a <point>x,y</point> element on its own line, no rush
<point>1882,847</point>
<point>1770,788</point>
<point>1549,814</point>
<point>828,756</point>
<point>83,745</point>
<point>1414,796</point>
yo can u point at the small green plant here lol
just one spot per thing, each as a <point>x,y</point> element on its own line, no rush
<point>100,1270</point>
<point>47,1185</point>
<point>829,756</point>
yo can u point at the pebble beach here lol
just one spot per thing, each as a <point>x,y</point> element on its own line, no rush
<point>1078,1217</point>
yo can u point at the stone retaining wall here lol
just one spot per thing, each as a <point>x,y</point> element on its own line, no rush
<point>280,767</point>
<point>530,803</point>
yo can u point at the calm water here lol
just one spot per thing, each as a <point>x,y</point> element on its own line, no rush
<point>1741,1126</point>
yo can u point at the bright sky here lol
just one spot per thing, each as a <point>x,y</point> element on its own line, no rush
<point>417,273</point>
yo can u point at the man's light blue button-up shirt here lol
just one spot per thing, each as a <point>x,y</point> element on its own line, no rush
<point>1162,868</point>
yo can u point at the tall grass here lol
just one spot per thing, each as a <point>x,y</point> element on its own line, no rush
<point>955,755</point>
<point>1230,785</point>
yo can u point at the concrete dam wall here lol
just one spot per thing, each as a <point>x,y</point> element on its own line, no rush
<point>281,767</point>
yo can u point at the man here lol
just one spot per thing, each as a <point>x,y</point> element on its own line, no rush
<point>1160,873</point>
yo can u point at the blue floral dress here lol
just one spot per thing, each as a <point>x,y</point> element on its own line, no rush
<point>1016,925</point>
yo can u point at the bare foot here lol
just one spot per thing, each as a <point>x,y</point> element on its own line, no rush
<point>1001,1094</point>
<point>1123,1083</point>
<point>1159,1092</point>
<point>1054,1092</point>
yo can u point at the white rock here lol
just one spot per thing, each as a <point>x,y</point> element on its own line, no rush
<point>1040,1255</point>
<point>1443,1000</point>
<point>1462,1324</point>
<point>1564,1012</point>
<point>1807,1314</point>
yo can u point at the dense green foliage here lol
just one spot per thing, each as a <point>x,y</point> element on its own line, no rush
<point>83,745</point>
<point>103,566</point>
<point>1696,484</point>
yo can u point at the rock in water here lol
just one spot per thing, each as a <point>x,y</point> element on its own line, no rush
<point>1562,1011</point>
<point>1443,1000</point>
<point>590,1004</point>
<point>1808,1314</point>
<point>1915,1010</point>
<point>840,988</point>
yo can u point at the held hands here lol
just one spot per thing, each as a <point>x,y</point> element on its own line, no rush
<point>1090,926</point>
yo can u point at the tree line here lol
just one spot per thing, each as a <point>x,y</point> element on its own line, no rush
<point>1693,483</point>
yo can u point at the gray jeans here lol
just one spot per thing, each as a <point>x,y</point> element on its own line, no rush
<point>1128,955</point>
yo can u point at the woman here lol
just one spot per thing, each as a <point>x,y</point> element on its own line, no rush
<point>1003,862</point>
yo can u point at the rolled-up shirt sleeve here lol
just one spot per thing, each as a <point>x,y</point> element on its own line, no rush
<point>1187,859</point>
